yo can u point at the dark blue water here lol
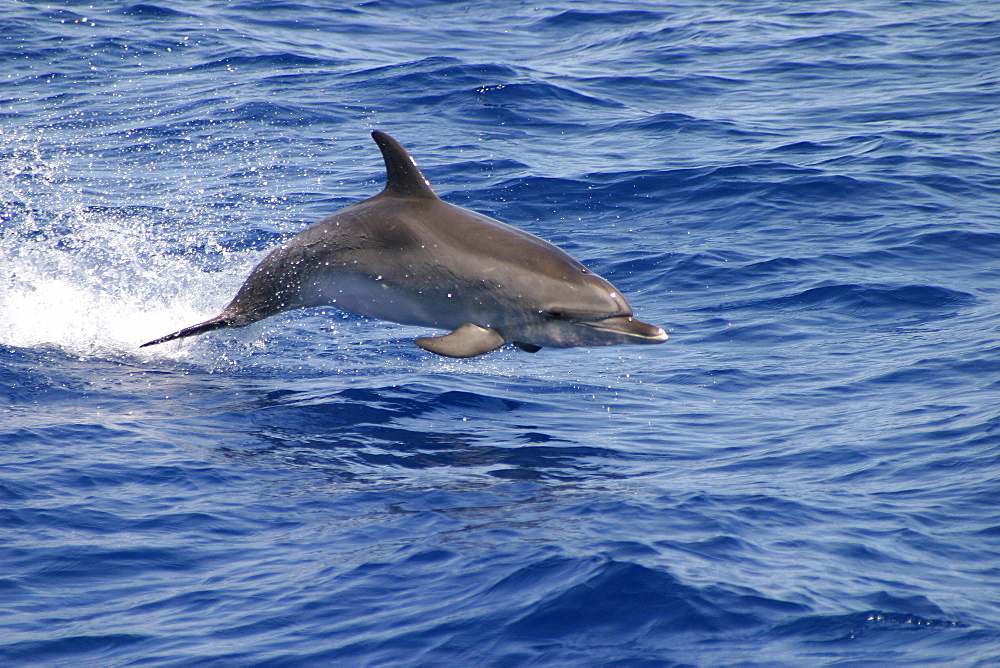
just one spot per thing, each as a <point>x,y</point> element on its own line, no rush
<point>807,473</point>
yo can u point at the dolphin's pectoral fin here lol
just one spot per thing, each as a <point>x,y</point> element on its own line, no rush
<point>527,347</point>
<point>467,341</point>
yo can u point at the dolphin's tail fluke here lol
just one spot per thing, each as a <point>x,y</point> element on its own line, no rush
<point>218,322</point>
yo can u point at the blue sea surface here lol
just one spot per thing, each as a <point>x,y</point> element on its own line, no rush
<point>805,194</point>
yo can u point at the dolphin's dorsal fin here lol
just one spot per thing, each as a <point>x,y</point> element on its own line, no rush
<point>403,177</point>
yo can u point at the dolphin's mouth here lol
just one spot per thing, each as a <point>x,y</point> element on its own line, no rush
<point>626,325</point>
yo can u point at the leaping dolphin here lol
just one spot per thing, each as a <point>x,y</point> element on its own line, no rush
<point>408,256</point>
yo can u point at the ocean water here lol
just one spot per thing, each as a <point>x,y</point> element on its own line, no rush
<point>807,473</point>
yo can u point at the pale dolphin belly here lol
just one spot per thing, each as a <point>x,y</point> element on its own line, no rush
<point>408,304</point>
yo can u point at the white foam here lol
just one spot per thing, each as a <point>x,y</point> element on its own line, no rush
<point>97,279</point>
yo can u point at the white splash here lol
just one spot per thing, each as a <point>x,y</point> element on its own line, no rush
<point>94,279</point>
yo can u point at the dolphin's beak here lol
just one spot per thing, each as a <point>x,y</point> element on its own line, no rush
<point>625,325</point>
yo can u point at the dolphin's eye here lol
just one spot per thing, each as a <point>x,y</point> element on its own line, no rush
<point>555,315</point>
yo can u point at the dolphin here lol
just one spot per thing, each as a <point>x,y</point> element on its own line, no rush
<point>408,256</point>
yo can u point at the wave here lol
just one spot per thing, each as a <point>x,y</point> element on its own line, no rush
<point>350,433</point>
<point>865,301</point>
<point>561,610</point>
<point>271,64</point>
<point>575,19</point>
<point>149,11</point>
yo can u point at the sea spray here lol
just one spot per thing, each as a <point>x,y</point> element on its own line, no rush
<point>87,276</point>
